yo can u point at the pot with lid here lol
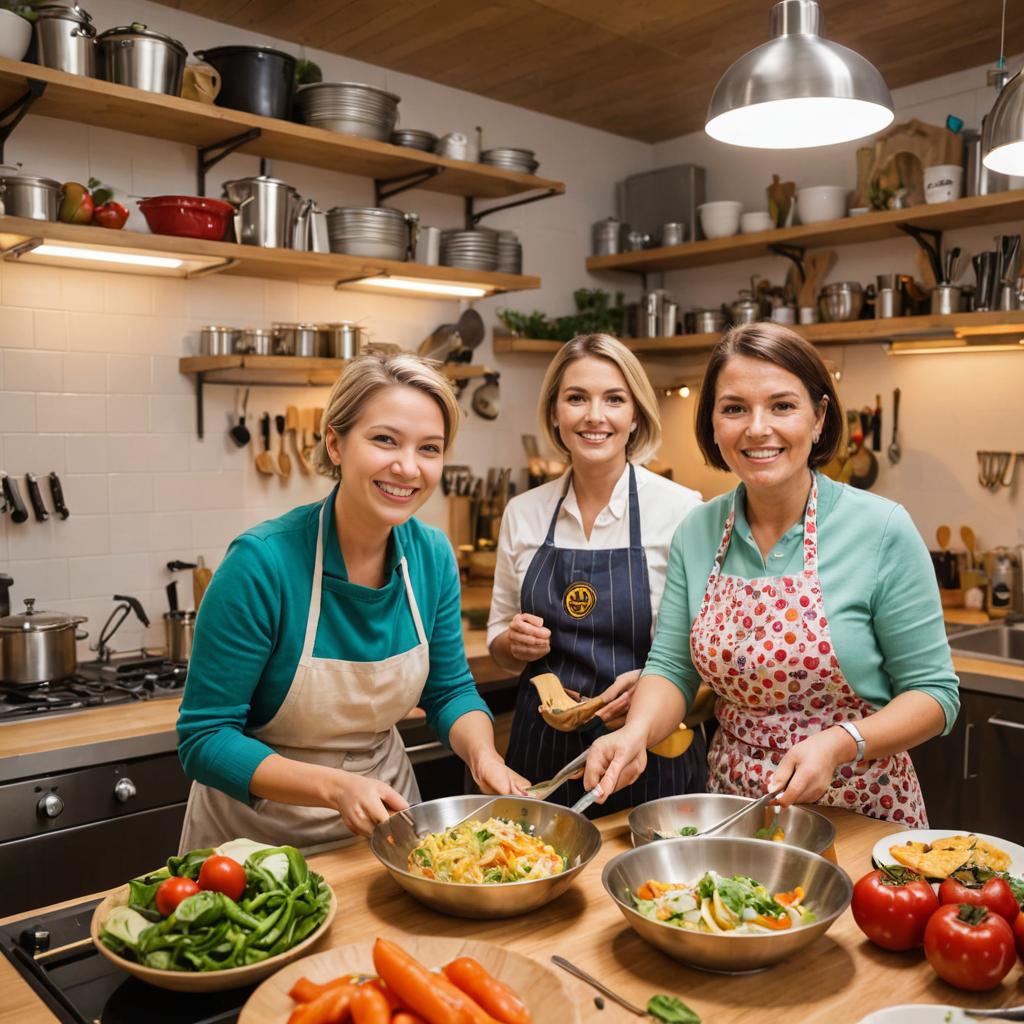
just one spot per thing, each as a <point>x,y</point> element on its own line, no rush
<point>37,646</point>
<point>66,38</point>
<point>138,56</point>
<point>29,196</point>
<point>266,211</point>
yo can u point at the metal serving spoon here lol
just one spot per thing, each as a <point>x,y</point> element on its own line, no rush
<point>578,972</point>
<point>1006,1013</point>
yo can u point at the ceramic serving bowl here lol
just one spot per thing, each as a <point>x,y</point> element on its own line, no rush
<point>803,827</point>
<point>571,834</point>
<point>777,866</point>
<point>821,202</point>
<point>720,219</point>
<point>756,220</point>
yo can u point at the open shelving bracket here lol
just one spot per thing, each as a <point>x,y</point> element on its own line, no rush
<point>17,110</point>
<point>474,216</point>
<point>209,156</point>
<point>792,252</point>
<point>403,183</point>
<point>930,242</point>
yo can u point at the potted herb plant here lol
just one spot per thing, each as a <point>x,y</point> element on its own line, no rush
<point>16,17</point>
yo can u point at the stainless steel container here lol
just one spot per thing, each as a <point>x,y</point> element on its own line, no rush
<point>608,237</point>
<point>138,56</point>
<point>978,179</point>
<point>342,341</point>
<point>373,231</point>
<point>650,314</point>
<point>66,39</point>
<point>428,246</point>
<point>257,341</point>
<point>841,301</point>
<point>348,107</point>
<point>708,321</point>
<point>1008,297</point>
<point>1003,571</point>
<point>668,321</point>
<point>181,627</point>
<point>38,647</point>
<point>266,211</point>
<point>746,309</point>
<point>218,341</point>
<point>888,303</point>
<point>296,340</point>
<point>673,233</point>
<point>946,298</point>
<point>25,195</point>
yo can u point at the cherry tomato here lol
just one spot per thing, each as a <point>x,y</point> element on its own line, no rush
<point>171,892</point>
<point>1018,934</point>
<point>892,906</point>
<point>969,947</point>
<point>993,893</point>
<point>222,874</point>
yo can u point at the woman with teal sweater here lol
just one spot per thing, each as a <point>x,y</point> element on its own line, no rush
<point>810,608</point>
<point>324,628</point>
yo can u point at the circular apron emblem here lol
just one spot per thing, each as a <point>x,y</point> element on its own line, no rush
<point>579,600</point>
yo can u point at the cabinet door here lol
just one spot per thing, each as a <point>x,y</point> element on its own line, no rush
<point>999,735</point>
<point>945,774</point>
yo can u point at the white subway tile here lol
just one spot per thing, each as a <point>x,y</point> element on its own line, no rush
<point>82,290</point>
<point>15,327</point>
<point>129,374</point>
<point>98,332</point>
<point>17,412</point>
<point>169,296</point>
<point>33,286</point>
<point>168,378</point>
<point>129,533</point>
<point>84,414</point>
<point>91,577</point>
<point>45,579</point>
<point>172,414</point>
<point>170,532</point>
<point>31,370</point>
<point>216,450</point>
<point>35,453</point>
<point>281,300</point>
<point>159,336</point>
<point>31,539</point>
<point>51,329</point>
<point>215,529</point>
<point>82,535</point>
<point>147,453</point>
<point>131,492</point>
<point>86,493</point>
<point>127,293</point>
<point>225,300</point>
<point>128,414</point>
<point>131,573</point>
<point>86,454</point>
<point>85,372</point>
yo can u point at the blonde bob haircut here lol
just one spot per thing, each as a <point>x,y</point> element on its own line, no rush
<point>363,378</point>
<point>646,439</point>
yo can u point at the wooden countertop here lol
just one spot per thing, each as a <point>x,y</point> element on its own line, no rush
<point>850,977</point>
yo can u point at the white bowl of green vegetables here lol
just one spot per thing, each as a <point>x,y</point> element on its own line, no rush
<point>194,930</point>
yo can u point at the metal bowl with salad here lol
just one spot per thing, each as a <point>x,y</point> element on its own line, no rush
<point>726,904</point>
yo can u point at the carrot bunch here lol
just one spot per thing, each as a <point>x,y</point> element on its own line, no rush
<point>406,992</point>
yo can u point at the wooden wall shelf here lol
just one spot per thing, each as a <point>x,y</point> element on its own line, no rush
<point>272,371</point>
<point>871,227</point>
<point>248,260</point>
<point>154,115</point>
<point>904,328</point>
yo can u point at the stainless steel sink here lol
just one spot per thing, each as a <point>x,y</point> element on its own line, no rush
<point>993,643</point>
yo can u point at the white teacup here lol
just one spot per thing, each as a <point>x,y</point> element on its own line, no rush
<point>943,183</point>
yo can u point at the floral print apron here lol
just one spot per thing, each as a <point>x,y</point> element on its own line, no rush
<point>763,645</point>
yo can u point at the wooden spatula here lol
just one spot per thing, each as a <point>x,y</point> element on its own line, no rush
<point>201,577</point>
<point>558,709</point>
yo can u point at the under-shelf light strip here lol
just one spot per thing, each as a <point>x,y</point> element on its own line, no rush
<point>107,256</point>
<point>403,284</point>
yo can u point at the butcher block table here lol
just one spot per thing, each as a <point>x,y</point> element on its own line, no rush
<point>839,979</point>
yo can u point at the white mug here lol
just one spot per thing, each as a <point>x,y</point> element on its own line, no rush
<point>943,182</point>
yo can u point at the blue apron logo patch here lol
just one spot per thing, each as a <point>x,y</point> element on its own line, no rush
<point>579,600</point>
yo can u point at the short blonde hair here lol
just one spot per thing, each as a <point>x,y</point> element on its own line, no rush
<point>363,378</point>
<point>646,439</point>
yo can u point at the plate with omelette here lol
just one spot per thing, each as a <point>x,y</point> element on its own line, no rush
<point>937,853</point>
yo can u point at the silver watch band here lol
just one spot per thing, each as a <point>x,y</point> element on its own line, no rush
<point>857,738</point>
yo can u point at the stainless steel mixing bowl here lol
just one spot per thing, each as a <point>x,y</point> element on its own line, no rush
<point>571,834</point>
<point>803,827</point>
<point>776,866</point>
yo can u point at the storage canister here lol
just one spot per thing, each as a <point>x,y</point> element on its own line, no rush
<point>215,340</point>
<point>66,39</point>
<point>296,340</point>
<point>25,195</point>
<point>257,79</point>
<point>181,626</point>
<point>342,341</point>
<point>267,210</point>
<point>37,646</point>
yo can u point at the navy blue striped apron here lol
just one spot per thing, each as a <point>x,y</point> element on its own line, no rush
<point>597,604</point>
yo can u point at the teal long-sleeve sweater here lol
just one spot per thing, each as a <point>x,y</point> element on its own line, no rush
<point>252,623</point>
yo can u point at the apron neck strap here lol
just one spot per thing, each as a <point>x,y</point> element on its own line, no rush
<point>421,633</point>
<point>635,535</point>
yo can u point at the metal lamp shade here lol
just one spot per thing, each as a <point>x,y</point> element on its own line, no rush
<point>1003,137</point>
<point>798,90</point>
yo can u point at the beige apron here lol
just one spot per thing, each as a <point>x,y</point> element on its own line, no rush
<point>336,713</point>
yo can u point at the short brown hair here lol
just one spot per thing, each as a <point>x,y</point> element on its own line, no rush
<point>782,347</point>
<point>646,439</point>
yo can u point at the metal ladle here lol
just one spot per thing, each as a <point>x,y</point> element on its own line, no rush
<point>240,432</point>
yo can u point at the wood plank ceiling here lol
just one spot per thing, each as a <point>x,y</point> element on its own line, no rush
<point>644,69</point>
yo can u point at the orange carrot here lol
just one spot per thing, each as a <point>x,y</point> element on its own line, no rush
<point>370,1006</point>
<point>305,990</point>
<point>405,1017</point>
<point>431,996</point>
<point>496,998</point>
<point>330,1007</point>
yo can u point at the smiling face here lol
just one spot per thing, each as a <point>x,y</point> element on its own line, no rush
<point>391,459</point>
<point>765,423</point>
<point>594,412</point>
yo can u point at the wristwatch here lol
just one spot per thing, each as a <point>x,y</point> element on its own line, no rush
<point>857,738</point>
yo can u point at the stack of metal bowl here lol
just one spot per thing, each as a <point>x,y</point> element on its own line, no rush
<point>373,231</point>
<point>511,159</point>
<point>348,107</point>
<point>414,138</point>
<point>571,835</point>
<point>472,250</point>
<point>510,253</point>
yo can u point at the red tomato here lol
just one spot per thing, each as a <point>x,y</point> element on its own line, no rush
<point>171,892</point>
<point>969,947</point>
<point>892,905</point>
<point>222,874</point>
<point>110,215</point>
<point>994,893</point>
<point>1018,934</point>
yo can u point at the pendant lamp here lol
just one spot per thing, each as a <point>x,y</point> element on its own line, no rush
<point>1002,140</point>
<point>798,90</point>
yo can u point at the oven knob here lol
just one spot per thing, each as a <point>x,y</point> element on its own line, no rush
<point>50,806</point>
<point>35,939</point>
<point>124,789</point>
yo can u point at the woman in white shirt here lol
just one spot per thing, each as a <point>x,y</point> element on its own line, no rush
<point>581,566</point>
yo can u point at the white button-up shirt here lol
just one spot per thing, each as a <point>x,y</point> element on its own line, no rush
<point>524,525</point>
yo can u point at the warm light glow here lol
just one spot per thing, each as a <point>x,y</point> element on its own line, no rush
<point>682,391</point>
<point>799,123</point>
<point>106,256</point>
<point>403,284</point>
<point>936,346</point>
<point>1008,159</point>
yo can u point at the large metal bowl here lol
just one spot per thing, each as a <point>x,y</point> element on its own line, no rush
<point>777,866</point>
<point>571,834</point>
<point>803,827</point>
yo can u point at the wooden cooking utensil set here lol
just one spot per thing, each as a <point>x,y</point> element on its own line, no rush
<point>298,429</point>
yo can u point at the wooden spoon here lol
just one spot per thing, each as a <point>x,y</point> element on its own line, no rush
<point>967,536</point>
<point>942,535</point>
<point>265,462</point>
<point>284,463</point>
<point>292,426</point>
